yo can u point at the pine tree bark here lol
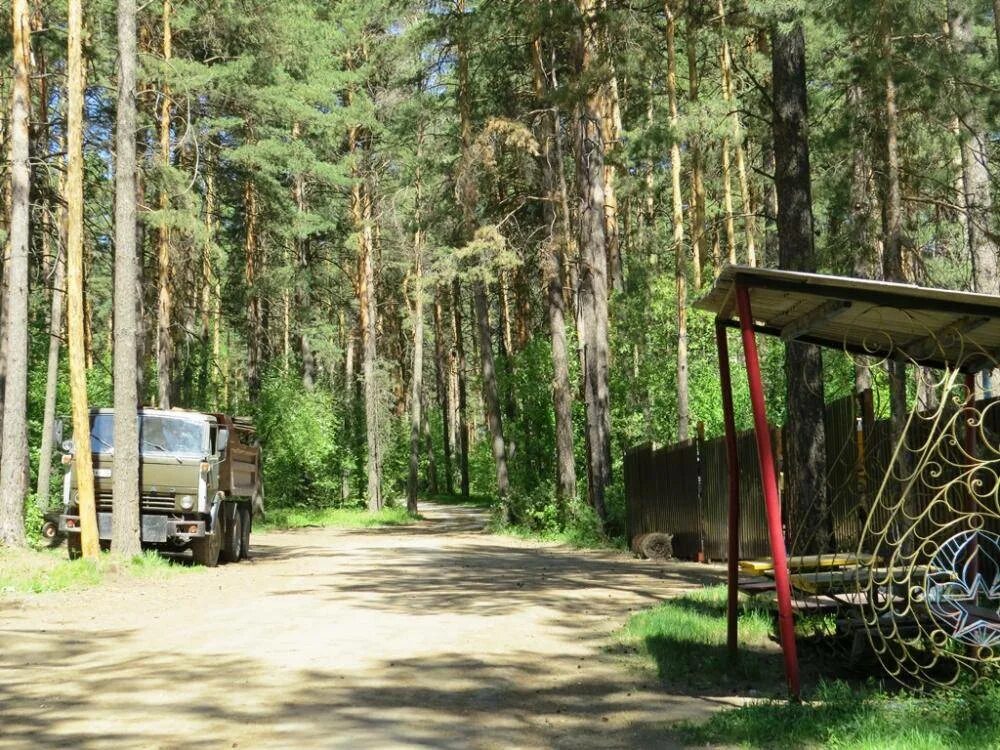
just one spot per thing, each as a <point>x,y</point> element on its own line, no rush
<point>699,239</point>
<point>164,319</point>
<point>56,316</point>
<point>593,284</point>
<point>125,539</point>
<point>417,376</point>
<point>680,265</point>
<point>805,434</point>
<point>463,397</point>
<point>368,314</point>
<point>729,95</point>
<point>83,467</point>
<point>255,305</point>
<point>894,267</point>
<point>14,467</point>
<point>977,191</point>
<point>442,376</point>
<point>552,269</point>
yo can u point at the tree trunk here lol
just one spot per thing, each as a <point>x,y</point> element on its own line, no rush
<point>14,467</point>
<point>125,539</point>
<point>552,263</point>
<point>368,314</point>
<point>866,246</point>
<point>255,306</point>
<point>83,462</point>
<point>699,243</point>
<point>805,435</point>
<point>51,378</point>
<point>729,96</point>
<point>303,300</point>
<point>894,268</point>
<point>611,127</point>
<point>164,319</point>
<point>491,400</point>
<point>593,291</point>
<point>977,192</point>
<point>463,400</point>
<point>680,269</point>
<point>442,377</point>
<point>417,376</point>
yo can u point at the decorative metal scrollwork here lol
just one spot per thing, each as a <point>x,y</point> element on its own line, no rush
<point>930,600</point>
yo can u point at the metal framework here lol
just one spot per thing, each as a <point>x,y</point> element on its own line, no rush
<point>929,519</point>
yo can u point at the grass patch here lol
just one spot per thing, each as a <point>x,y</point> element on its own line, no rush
<point>685,638</point>
<point>345,518</point>
<point>843,718</point>
<point>41,571</point>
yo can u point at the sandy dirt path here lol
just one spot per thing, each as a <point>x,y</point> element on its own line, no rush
<point>430,636</point>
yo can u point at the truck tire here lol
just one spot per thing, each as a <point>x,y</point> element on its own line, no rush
<point>205,551</point>
<point>232,547</point>
<point>73,547</point>
<point>246,523</point>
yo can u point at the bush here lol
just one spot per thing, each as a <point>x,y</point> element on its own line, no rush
<point>300,434</point>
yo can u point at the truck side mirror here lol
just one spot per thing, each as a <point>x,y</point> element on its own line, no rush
<point>222,440</point>
<point>57,434</point>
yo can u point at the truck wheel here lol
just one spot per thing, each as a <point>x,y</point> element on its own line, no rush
<point>246,524</point>
<point>73,546</point>
<point>232,548</point>
<point>206,550</point>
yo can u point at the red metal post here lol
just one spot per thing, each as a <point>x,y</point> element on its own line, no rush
<point>725,379</point>
<point>772,502</point>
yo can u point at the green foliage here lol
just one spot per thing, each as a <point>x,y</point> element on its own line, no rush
<point>300,433</point>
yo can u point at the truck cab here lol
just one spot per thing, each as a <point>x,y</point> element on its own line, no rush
<point>200,483</point>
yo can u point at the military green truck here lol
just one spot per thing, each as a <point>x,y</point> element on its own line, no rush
<point>200,483</point>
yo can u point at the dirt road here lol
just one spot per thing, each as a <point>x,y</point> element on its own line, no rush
<point>431,636</point>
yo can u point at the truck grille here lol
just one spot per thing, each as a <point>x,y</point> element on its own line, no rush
<point>150,503</point>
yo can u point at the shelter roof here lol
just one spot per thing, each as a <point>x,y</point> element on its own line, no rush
<point>928,326</point>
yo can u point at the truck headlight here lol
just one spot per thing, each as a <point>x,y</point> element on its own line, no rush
<point>187,502</point>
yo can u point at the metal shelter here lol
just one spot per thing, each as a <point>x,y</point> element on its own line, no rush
<point>930,327</point>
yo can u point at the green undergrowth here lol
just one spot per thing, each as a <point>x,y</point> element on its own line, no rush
<point>472,501</point>
<point>684,641</point>
<point>346,518</point>
<point>837,715</point>
<point>37,571</point>
<point>572,536</point>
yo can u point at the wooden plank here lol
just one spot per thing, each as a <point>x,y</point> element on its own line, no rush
<point>808,562</point>
<point>813,319</point>
<point>824,581</point>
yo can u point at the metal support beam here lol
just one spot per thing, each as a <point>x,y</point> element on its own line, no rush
<point>811,320</point>
<point>772,501</point>
<point>928,345</point>
<point>732,456</point>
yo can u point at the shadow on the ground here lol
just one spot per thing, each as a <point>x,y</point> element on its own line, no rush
<point>444,701</point>
<point>487,578</point>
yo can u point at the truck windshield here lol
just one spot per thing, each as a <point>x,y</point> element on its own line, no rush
<point>156,435</point>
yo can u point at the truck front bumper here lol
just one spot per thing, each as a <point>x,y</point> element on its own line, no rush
<point>155,528</point>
